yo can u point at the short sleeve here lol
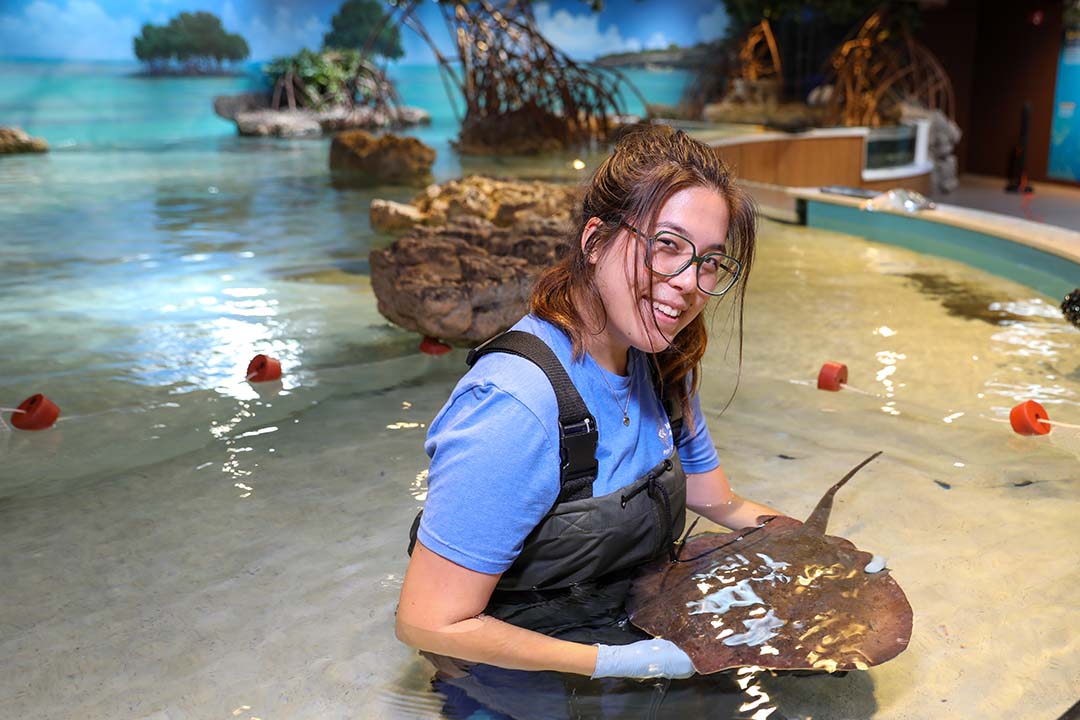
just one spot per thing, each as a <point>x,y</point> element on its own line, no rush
<point>696,450</point>
<point>494,474</point>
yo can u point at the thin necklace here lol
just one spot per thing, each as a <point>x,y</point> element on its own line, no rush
<point>625,407</point>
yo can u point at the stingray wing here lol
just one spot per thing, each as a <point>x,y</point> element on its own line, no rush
<point>779,596</point>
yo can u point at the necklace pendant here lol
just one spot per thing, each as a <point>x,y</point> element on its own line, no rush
<point>626,420</point>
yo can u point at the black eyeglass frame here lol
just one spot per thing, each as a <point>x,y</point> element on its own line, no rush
<point>695,259</point>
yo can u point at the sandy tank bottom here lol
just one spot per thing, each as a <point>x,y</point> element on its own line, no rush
<point>256,576</point>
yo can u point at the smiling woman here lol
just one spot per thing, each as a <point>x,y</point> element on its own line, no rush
<point>542,503</point>
<point>648,299</point>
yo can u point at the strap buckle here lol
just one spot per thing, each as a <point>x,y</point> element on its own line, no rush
<point>577,447</point>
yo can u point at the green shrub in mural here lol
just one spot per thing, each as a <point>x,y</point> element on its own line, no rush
<point>315,79</point>
<point>331,78</point>
<point>343,73</point>
<point>191,43</point>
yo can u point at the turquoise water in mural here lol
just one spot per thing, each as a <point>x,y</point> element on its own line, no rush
<point>109,105</point>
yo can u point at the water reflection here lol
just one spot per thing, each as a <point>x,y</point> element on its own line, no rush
<point>1029,340</point>
<point>961,299</point>
<point>193,211</point>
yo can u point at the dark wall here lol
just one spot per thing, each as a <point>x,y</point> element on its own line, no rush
<point>949,32</point>
<point>998,58</point>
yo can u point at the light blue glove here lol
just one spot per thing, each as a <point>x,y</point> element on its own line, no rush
<point>644,659</point>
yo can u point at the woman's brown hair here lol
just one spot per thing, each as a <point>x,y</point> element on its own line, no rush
<point>648,165</point>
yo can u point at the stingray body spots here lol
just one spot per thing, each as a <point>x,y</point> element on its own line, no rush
<point>769,572</point>
<point>738,595</point>
<point>758,630</point>
<point>772,567</point>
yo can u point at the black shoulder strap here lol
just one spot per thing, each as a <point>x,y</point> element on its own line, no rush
<point>577,426</point>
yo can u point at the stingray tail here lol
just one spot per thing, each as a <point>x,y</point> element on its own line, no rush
<point>819,519</point>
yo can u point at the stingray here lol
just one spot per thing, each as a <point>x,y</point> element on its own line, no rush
<point>781,595</point>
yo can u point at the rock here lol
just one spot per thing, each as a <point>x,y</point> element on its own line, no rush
<point>14,140</point>
<point>229,106</point>
<point>465,270</point>
<point>524,131</point>
<point>253,116</point>
<point>503,202</point>
<point>412,116</point>
<point>279,123</point>
<point>465,281</point>
<point>391,217</point>
<point>944,136</point>
<point>358,157</point>
<point>365,118</point>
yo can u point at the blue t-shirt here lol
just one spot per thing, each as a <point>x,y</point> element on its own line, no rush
<point>494,448</point>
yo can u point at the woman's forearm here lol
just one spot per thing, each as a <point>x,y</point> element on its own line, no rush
<point>484,639</point>
<point>710,495</point>
<point>734,513</point>
<point>441,612</point>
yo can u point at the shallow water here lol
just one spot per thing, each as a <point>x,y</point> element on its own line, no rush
<point>184,544</point>
<point>208,546</point>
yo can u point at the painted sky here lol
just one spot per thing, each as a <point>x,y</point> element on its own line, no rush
<point>103,29</point>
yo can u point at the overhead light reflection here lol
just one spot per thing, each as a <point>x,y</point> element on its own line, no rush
<point>419,486</point>
<point>260,431</point>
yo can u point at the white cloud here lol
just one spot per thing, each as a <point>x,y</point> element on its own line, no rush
<point>713,25</point>
<point>282,34</point>
<point>77,30</point>
<point>579,36</point>
<point>657,41</point>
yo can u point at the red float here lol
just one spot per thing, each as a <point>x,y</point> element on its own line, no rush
<point>831,376</point>
<point>1029,418</point>
<point>263,368</point>
<point>431,346</point>
<point>38,413</point>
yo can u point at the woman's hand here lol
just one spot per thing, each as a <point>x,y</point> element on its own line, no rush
<point>644,659</point>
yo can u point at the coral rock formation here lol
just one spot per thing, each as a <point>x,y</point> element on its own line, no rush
<point>462,282</point>
<point>358,157</point>
<point>254,117</point>
<point>14,140</point>
<point>502,202</point>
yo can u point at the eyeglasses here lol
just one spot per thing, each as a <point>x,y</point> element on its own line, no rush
<point>668,254</point>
